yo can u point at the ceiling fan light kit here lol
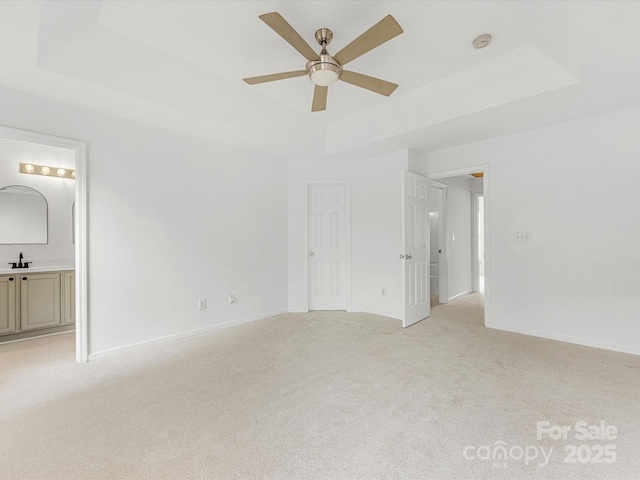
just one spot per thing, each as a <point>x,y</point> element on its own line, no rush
<point>324,69</point>
<point>324,72</point>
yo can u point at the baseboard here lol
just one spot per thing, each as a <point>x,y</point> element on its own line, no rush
<point>298,310</point>
<point>585,342</point>
<point>177,336</point>
<point>460,295</point>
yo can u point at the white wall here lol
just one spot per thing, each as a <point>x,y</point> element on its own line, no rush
<point>578,279</point>
<point>376,229</point>
<point>58,192</point>
<point>172,219</point>
<point>458,227</point>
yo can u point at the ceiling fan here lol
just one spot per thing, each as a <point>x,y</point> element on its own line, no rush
<point>324,69</point>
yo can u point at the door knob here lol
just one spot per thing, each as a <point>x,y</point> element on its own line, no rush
<point>311,254</point>
<point>401,257</point>
<point>409,257</point>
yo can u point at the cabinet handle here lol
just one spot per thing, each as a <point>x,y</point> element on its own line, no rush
<point>24,278</point>
<point>11,279</point>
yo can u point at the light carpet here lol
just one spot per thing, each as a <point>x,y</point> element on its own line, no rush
<point>324,395</point>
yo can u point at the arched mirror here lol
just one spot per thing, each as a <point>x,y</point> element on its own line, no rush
<point>23,216</point>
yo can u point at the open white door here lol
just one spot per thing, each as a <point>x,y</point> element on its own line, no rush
<point>415,257</point>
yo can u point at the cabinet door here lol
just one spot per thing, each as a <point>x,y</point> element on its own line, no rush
<point>68,298</point>
<point>39,300</point>
<point>8,304</point>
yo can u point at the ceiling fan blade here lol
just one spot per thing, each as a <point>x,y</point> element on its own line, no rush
<point>274,76</point>
<point>370,83</point>
<point>319,99</point>
<point>286,31</point>
<point>381,32</point>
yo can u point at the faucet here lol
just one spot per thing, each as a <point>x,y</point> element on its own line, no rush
<point>20,263</point>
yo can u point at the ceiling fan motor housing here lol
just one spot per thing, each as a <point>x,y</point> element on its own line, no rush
<point>325,71</point>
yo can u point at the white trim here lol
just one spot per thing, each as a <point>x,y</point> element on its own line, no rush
<point>475,257</point>
<point>560,337</point>
<point>487,227</point>
<point>347,219</point>
<point>80,149</point>
<point>178,336</point>
<point>298,310</point>
<point>460,295</point>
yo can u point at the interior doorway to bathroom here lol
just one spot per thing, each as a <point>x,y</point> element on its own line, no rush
<point>79,222</point>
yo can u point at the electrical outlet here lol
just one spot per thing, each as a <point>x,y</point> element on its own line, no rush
<point>232,298</point>
<point>202,304</point>
<point>521,237</point>
<point>383,291</point>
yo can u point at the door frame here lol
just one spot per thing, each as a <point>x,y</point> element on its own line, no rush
<point>347,228</point>
<point>475,244</point>
<point>443,259</point>
<point>484,168</point>
<point>80,149</point>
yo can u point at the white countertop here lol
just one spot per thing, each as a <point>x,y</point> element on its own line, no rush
<point>35,269</point>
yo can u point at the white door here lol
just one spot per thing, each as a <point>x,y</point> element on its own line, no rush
<point>415,257</point>
<point>327,247</point>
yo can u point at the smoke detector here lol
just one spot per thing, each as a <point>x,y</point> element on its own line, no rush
<point>482,41</point>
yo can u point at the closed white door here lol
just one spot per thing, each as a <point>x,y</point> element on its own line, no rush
<point>415,257</point>
<point>327,247</point>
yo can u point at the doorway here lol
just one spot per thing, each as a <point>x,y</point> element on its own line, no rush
<point>79,225</point>
<point>480,225</point>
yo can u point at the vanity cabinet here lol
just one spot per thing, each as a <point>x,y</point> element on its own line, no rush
<point>8,304</point>
<point>68,297</point>
<point>39,300</point>
<point>30,302</point>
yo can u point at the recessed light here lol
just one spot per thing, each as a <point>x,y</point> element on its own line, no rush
<point>482,41</point>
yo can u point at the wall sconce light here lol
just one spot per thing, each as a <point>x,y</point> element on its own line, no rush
<point>33,169</point>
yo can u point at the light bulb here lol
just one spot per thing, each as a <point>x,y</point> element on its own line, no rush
<point>61,172</point>
<point>45,170</point>
<point>73,174</point>
<point>28,168</point>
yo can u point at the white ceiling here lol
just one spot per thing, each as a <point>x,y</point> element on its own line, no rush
<point>180,64</point>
